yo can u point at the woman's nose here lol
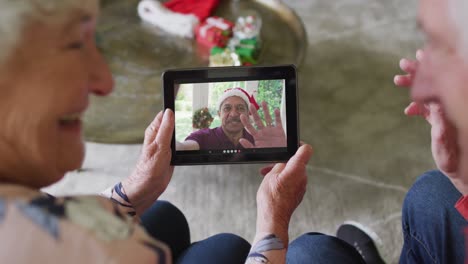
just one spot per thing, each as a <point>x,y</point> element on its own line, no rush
<point>101,81</point>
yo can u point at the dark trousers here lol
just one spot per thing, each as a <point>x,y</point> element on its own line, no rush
<point>433,229</point>
<point>433,232</point>
<point>166,223</point>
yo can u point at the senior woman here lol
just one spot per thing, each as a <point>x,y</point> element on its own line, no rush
<point>49,66</point>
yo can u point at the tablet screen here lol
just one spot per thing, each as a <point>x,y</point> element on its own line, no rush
<point>232,116</point>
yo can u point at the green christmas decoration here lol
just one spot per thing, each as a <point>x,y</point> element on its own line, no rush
<point>252,43</point>
<point>248,50</point>
<point>217,50</point>
<point>202,118</point>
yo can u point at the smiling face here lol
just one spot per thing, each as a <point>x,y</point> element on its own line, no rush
<point>230,112</point>
<point>45,88</point>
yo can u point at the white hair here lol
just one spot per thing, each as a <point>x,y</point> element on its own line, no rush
<point>16,14</point>
<point>458,13</point>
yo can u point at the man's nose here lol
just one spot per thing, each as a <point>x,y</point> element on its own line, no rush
<point>100,78</point>
<point>234,112</point>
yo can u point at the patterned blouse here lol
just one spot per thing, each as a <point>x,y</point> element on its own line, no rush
<point>39,228</point>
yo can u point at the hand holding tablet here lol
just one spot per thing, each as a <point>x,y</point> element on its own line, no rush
<point>232,114</point>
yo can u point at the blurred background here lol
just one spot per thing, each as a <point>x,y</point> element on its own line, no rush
<point>367,153</point>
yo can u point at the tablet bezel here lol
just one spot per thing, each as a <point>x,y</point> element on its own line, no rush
<point>227,74</point>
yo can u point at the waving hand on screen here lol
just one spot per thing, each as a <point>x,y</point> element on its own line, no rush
<point>267,135</point>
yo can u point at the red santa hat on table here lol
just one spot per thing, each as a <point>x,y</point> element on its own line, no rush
<point>200,8</point>
<point>177,17</point>
<point>239,92</point>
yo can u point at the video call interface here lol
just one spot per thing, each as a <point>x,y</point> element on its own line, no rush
<point>208,117</point>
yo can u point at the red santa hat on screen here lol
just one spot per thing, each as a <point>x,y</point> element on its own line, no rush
<point>239,92</point>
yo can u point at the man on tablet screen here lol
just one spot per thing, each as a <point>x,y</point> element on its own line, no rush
<point>236,131</point>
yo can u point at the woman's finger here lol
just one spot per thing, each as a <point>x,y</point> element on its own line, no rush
<point>265,170</point>
<point>152,129</point>
<point>166,130</point>
<point>298,162</point>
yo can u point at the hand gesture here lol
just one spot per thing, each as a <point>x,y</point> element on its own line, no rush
<point>153,171</point>
<point>443,133</point>
<point>269,135</point>
<point>281,192</point>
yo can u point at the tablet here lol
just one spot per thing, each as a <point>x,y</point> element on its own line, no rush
<point>226,115</point>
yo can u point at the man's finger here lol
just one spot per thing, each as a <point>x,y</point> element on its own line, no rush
<point>404,80</point>
<point>266,112</point>
<point>409,66</point>
<point>164,136</point>
<point>413,109</point>
<point>437,114</point>
<point>152,129</point>
<point>245,143</point>
<point>256,117</point>
<point>248,126</point>
<point>420,54</point>
<point>416,109</point>
<point>279,122</point>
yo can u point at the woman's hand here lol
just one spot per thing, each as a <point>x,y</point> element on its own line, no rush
<point>279,194</point>
<point>153,171</point>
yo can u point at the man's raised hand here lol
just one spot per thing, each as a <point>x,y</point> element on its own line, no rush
<point>266,135</point>
<point>443,133</point>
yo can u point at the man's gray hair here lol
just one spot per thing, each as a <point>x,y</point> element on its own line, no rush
<point>458,13</point>
<point>16,14</point>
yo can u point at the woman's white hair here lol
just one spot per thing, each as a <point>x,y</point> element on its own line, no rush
<point>458,12</point>
<point>16,14</point>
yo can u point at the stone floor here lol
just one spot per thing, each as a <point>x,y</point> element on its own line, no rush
<point>367,153</point>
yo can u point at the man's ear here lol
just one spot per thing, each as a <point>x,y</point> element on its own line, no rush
<point>219,114</point>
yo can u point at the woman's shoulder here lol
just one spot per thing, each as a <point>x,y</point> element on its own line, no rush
<point>38,223</point>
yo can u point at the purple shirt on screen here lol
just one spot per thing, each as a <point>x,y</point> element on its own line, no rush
<point>216,139</point>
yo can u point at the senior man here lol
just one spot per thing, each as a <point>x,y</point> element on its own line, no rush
<point>236,131</point>
<point>435,210</point>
